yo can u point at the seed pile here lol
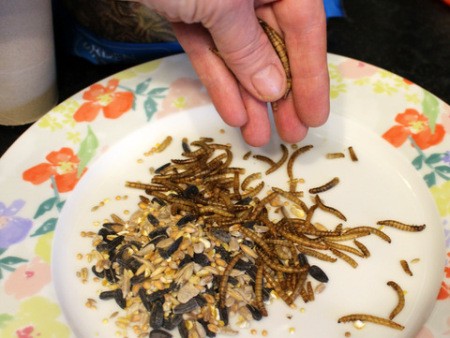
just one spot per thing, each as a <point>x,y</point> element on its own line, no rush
<point>204,246</point>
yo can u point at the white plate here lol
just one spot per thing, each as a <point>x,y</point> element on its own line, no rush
<point>381,185</point>
<point>39,173</point>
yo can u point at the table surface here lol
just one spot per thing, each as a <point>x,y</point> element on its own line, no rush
<point>406,37</point>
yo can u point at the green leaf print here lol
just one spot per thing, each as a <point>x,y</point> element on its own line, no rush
<point>149,107</point>
<point>12,260</point>
<point>430,179</point>
<point>87,150</point>
<point>143,86</point>
<point>430,108</point>
<point>48,226</point>
<point>433,158</point>
<point>418,162</point>
<point>45,206</point>
<point>156,92</point>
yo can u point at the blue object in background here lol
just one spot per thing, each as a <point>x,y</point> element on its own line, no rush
<point>333,8</point>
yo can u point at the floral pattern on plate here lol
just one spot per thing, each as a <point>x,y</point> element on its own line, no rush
<point>38,173</point>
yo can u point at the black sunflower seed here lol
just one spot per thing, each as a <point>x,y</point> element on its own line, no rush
<point>190,192</point>
<point>201,301</point>
<point>157,315</point>
<point>186,147</point>
<point>182,329</point>
<point>118,297</point>
<point>158,232</point>
<point>159,201</point>
<point>223,313</point>
<point>98,274</point>
<point>171,249</point>
<point>110,276</point>
<point>110,245</point>
<point>221,234</point>
<point>109,294</point>
<point>158,333</point>
<point>243,265</point>
<point>186,219</point>
<point>249,224</point>
<point>208,332</point>
<point>104,232</point>
<point>137,279</point>
<point>186,307</point>
<point>187,259</point>
<point>201,259</point>
<point>158,239</point>
<point>303,260</point>
<point>256,314</point>
<point>172,321</point>
<point>244,201</point>
<point>143,296</point>
<point>318,274</point>
<point>224,254</point>
<point>161,168</point>
<point>153,220</point>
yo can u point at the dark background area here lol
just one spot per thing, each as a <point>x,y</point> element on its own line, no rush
<point>410,38</point>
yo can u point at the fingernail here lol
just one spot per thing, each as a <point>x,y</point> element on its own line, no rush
<point>269,83</point>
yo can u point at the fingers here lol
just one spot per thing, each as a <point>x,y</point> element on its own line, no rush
<point>256,132</point>
<point>221,85</point>
<point>303,23</point>
<point>246,49</point>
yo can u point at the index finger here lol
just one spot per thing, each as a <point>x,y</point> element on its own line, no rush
<point>303,23</point>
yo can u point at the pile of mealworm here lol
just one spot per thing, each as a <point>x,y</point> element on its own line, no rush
<point>204,245</point>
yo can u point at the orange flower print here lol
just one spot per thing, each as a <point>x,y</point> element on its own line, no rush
<point>414,124</point>
<point>444,293</point>
<point>100,98</point>
<point>62,165</point>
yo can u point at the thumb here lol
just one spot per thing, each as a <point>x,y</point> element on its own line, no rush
<point>247,51</point>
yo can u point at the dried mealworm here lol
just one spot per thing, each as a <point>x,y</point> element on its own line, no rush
<point>344,257</point>
<point>255,238</point>
<point>290,196</point>
<point>264,159</point>
<point>260,206</point>
<point>325,187</point>
<point>316,254</point>
<point>372,230</point>
<point>305,241</point>
<point>401,299</point>
<point>405,267</point>
<point>362,247</point>
<point>402,226</point>
<point>246,182</point>
<point>259,303</point>
<point>163,145</point>
<point>334,155</point>
<point>347,248</point>
<point>283,159</point>
<point>143,186</point>
<point>352,153</point>
<point>277,286</point>
<point>277,266</point>
<point>372,319</point>
<point>224,281</point>
<point>247,155</point>
<point>294,155</point>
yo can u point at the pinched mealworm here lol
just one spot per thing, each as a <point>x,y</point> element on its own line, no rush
<point>280,48</point>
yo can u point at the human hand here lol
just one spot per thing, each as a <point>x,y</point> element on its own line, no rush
<point>248,72</point>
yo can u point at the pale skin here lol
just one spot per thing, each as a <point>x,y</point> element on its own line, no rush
<point>248,73</point>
